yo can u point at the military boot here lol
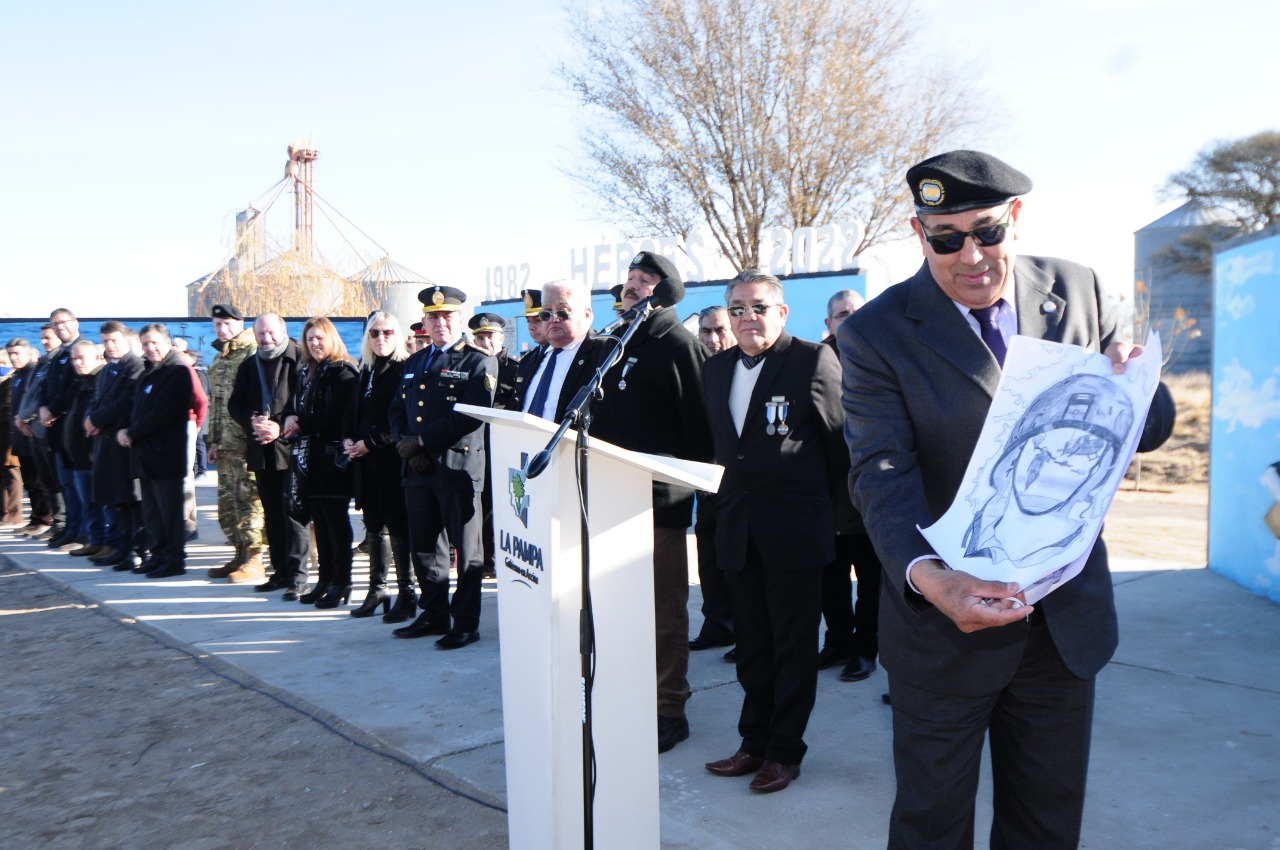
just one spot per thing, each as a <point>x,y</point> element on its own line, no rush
<point>251,571</point>
<point>230,566</point>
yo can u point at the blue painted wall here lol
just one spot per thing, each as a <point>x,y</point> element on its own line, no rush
<point>1246,412</point>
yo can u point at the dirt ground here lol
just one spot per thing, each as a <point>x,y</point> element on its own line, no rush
<point>112,738</point>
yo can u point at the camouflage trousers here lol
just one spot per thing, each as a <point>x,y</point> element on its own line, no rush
<point>239,509</point>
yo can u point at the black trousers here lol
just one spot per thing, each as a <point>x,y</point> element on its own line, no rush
<point>128,529</point>
<point>49,477</point>
<point>776,613</point>
<point>333,540</point>
<point>163,514</point>
<point>1039,726</point>
<point>456,515</point>
<point>717,608</point>
<point>285,526</point>
<point>37,489</point>
<point>849,627</point>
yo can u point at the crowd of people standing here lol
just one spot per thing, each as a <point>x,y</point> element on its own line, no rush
<point>833,455</point>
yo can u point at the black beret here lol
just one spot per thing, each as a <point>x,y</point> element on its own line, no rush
<point>647,261</point>
<point>487,323</point>
<point>226,311</point>
<point>532,302</point>
<point>964,180</point>
<point>437,299</point>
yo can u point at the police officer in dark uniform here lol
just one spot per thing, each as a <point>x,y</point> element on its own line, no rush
<point>532,358</point>
<point>444,466</point>
<point>489,331</point>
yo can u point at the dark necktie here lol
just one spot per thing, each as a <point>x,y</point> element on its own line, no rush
<point>990,330</point>
<point>751,361</point>
<point>539,403</point>
<point>431,356</point>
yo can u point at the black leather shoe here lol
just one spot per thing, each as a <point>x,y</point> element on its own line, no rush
<point>128,564</point>
<point>421,627</point>
<point>377,596</point>
<point>704,641</point>
<point>830,656</point>
<point>671,731</point>
<point>732,656</point>
<point>273,583</point>
<point>167,571</point>
<point>774,777</point>
<point>858,669</point>
<point>738,764</point>
<point>107,558</point>
<point>334,595</point>
<point>147,566</point>
<point>293,594</point>
<point>454,639</point>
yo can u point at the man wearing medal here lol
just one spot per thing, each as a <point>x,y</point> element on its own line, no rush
<point>653,403</point>
<point>444,464</point>
<point>773,404</point>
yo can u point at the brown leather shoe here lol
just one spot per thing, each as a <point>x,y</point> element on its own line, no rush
<point>738,764</point>
<point>774,777</point>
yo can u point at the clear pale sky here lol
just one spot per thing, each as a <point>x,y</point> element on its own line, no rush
<point>134,131</point>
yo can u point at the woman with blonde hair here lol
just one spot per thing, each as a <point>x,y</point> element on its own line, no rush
<point>322,478</point>
<point>379,487</point>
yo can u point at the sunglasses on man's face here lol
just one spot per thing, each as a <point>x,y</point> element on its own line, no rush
<point>985,237</point>
<point>738,311</point>
<point>548,315</point>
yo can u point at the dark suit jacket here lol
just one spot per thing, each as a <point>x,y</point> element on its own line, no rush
<point>777,488</point>
<point>423,407</point>
<point>917,383</point>
<point>586,360</point>
<point>158,420</point>
<point>113,479</point>
<point>247,398</point>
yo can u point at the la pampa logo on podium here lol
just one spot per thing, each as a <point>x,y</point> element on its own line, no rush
<point>516,489</point>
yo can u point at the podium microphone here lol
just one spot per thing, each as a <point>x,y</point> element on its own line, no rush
<point>667,293</point>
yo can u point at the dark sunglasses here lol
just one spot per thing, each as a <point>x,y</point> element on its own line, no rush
<point>548,315</point>
<point>985,237</point>
<point>387,333</point>
<point>758,309</point>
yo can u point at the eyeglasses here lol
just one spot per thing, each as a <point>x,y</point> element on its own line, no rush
<point>984,237</point>
<point>387,333</point>
<point>548,315</point>
<point>758,309</point>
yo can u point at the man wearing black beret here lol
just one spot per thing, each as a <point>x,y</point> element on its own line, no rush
<point>653,403</point>
<point>921,363</point>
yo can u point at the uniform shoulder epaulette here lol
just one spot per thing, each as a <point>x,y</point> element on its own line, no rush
<point>470,346</point>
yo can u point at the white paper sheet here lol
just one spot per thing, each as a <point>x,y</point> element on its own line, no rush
<point>1058,438</point>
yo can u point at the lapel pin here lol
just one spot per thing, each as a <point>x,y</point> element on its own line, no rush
<point>1048,308</point>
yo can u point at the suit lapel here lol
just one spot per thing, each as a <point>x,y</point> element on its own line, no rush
<point>717,379</point>
<point>941,328</point>
<point>1039,309</point>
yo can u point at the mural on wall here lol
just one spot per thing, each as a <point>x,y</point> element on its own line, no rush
<point>1246,414</point>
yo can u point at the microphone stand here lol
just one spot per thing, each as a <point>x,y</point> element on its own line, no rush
<point>579,413</point>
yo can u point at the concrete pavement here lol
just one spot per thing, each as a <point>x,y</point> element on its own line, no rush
<point>1186,740</point>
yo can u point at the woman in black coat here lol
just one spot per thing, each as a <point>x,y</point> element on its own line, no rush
<point>322,472</point>
<point>379,486</point>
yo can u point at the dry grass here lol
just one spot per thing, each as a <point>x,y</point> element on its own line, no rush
<point>1184,459</point>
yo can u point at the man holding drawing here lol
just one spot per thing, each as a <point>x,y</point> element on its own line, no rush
<point>965,658</point>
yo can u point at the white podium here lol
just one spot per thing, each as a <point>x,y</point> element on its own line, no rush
<point>537,523</point>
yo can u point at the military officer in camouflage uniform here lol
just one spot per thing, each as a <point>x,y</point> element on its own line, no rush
<point>239,508</point>
<point>444,461</point>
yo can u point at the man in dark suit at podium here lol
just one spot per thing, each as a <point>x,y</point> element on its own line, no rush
<point>774,411</point>
<point>572,355</point>
<point>921,363</point>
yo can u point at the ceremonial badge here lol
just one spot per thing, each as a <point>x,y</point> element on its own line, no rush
<point>931,192</point>
<point>437,297</point>
<point>775,411</point>
<point>626,367</point>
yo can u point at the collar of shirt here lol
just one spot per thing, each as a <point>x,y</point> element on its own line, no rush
<point>1008,319</point>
